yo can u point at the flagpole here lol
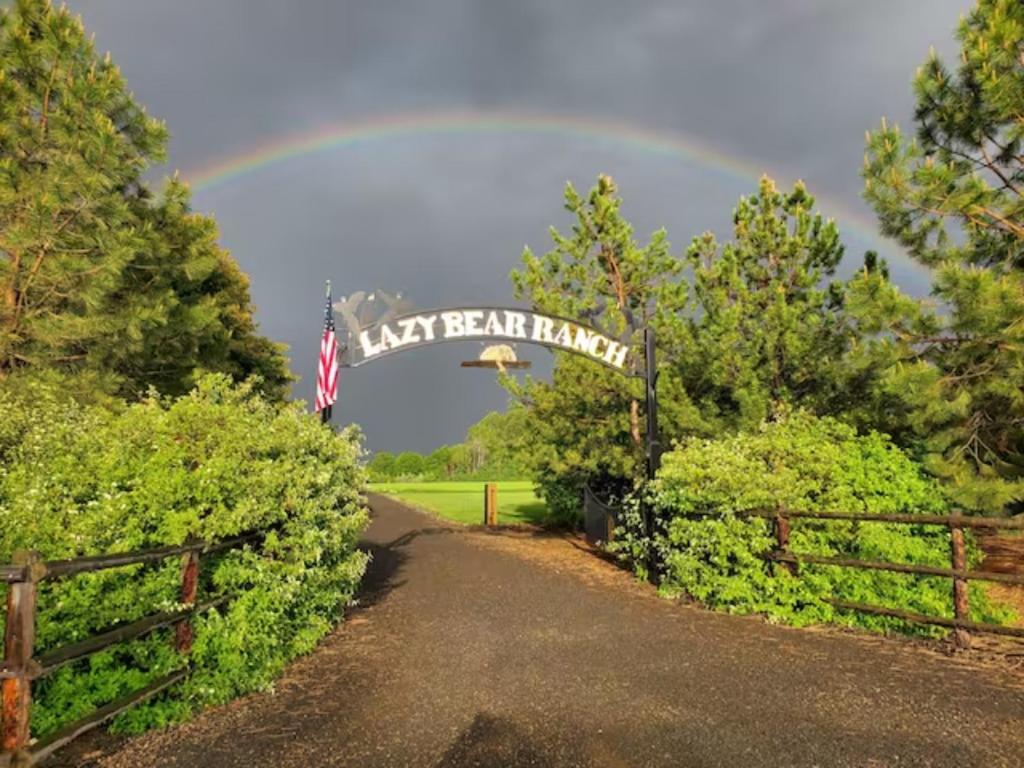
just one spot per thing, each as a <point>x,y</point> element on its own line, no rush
<point>325,412</point>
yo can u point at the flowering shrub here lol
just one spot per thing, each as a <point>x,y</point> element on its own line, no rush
<point>83,479</point>
<point>715,555</point>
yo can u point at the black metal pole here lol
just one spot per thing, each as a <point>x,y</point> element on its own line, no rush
<point>325,414</point>
<point>653,446</point>
<point>651,380</point>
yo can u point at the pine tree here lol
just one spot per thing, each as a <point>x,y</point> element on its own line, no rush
<point>97,275</point>
<point>587,421</point>
<point>954,197</point>
<point>746,330</point>
<point>205,321</point>
<point>765,334</point>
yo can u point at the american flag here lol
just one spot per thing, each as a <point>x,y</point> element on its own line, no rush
<point>327,370</point>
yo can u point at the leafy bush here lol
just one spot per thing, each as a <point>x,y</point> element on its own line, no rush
<point>563,497</point>
<point>81,479</point>
<point>714,554</point>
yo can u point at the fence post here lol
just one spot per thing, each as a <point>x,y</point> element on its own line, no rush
<point>958,552</point>
<point>19,639</point>
<point>491,504</point>
<point>781,526</point>
<point>183,632</point>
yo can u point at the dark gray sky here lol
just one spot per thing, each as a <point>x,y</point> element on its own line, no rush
<point>786,86</point>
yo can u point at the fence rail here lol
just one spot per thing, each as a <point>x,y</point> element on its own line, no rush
<point>20,666</point>
<point>878,565</point>
<point>959,521</point>
<point>958,572</point>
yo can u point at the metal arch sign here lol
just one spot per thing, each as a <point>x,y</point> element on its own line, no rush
<point>420,329</point>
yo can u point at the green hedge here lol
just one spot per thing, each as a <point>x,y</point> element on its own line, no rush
<point>714,555</point>
<point>79,480</point>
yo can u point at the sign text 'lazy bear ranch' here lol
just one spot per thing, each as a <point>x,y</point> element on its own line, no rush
<point>432,327</point>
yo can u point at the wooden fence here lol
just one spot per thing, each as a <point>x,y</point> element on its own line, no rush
<point>20,666</point>
<point>958,571</point>
<point>603,518</point>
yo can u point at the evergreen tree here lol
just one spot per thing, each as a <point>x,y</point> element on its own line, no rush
<point>205,320</point>
<point>764,332</point>
<point>587,421</point>
<point>756,331</point>
<point>96,274</point>
<point>954,197</point>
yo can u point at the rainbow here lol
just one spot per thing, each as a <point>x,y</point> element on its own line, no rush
<point>498,123</point>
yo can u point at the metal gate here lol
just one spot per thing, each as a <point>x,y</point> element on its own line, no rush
<point>599,519</point>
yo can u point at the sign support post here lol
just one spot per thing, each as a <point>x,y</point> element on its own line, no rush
<point>651,380</point>
<point>653,444</point>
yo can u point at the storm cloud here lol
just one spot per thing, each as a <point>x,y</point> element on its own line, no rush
<point>786,87</point>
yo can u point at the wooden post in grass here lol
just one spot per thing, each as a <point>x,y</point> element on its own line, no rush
<point>183,633</point>
<point>781,526</point>
<point>491,504</point>
<point>961,611</point>
<point>19,639</point>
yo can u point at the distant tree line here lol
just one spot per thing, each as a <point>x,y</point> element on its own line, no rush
<point>498,447</point>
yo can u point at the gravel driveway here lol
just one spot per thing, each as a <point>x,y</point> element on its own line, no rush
<point>476,648</point>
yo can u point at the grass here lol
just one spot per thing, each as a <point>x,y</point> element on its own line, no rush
<point>463,501</point>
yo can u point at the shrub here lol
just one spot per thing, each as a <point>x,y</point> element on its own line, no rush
<point>714,554</point>
<point>83,479</point>
<point>408,465</point>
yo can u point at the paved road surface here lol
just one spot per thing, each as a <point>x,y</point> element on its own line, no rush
<point>481,649</point>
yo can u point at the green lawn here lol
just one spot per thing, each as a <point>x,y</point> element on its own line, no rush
<point>464,501</point>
